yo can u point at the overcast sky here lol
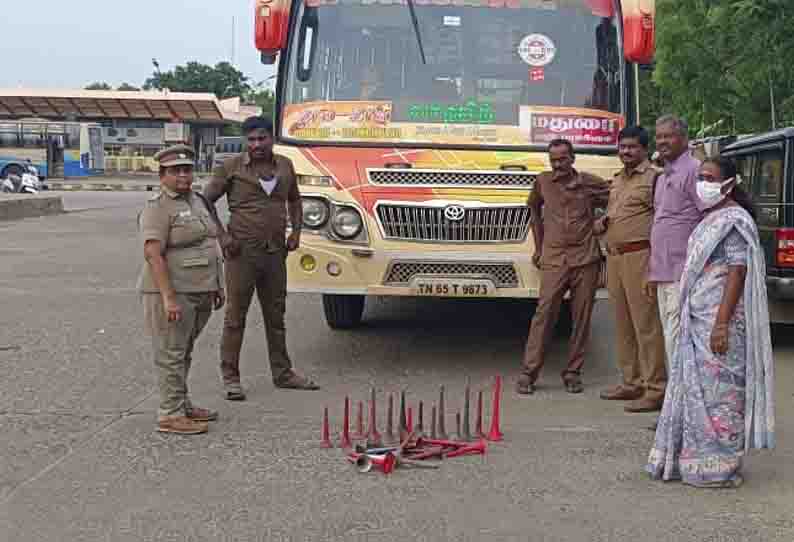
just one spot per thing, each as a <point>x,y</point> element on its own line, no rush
<point>70,44</point>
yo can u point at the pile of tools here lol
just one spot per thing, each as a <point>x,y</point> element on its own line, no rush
<point>412,445</point>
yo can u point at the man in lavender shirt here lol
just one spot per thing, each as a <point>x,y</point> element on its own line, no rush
<point>678,209</point>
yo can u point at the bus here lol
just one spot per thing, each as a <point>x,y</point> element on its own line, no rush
<point>417,129</point>
<point>55,149</point>
<point>226,147</point>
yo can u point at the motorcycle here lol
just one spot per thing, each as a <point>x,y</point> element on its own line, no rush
<point>28,183</point>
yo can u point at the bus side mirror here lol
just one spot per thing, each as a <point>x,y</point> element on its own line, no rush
<point>271,25</point>
<point>639,30</point>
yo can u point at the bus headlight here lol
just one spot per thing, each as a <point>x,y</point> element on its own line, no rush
<point>315,213</point>
<point>347,223</point>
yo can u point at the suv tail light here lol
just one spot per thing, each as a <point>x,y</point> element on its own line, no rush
<point>784,255</point>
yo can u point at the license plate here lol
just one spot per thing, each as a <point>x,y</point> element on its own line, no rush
<point>453,288</point>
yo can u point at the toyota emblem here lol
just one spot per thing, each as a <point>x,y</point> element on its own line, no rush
<point>454,213</point>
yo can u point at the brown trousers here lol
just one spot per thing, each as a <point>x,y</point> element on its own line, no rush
<point>554,282</point>
<point>640,338</point>
<point>266,272</point>
<point>172,344</point>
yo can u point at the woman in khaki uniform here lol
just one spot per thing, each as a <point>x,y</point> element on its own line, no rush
<point>180,282</point>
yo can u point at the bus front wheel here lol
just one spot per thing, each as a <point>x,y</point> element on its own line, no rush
<point>343,311</point>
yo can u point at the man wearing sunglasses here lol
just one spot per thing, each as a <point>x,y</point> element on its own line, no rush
<point>260,188</point>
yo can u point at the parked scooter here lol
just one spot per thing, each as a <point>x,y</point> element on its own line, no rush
<point>28,183</point>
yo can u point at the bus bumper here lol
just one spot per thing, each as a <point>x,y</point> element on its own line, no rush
<point>329,268</point>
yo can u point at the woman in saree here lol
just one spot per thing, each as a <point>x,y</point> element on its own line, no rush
<point>719,401</point>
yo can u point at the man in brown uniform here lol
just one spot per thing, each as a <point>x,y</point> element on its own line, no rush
<point>259,186</point>
<point>563,203</point>
<point>181,282</point>
<point>627,228</point>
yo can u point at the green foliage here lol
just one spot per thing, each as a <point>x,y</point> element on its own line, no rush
<point>265,99</point>
<point>223,80</point>
<point>722,64</point>
<point>98,86</point>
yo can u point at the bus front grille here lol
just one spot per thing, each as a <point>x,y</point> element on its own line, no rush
<point>431,223</point>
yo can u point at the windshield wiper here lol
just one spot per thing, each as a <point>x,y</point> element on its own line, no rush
<point>416,30</point>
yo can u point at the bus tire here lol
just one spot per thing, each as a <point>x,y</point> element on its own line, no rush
<point>343,311</point>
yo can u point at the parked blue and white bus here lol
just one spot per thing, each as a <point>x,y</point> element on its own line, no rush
<point>55,149</point>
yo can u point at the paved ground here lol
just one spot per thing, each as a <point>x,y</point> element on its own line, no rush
<point>80,459</point>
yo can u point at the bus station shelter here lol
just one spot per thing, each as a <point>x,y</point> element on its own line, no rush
<point>126,127</point>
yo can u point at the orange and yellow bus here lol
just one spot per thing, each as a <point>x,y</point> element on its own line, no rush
<point>417,129</point>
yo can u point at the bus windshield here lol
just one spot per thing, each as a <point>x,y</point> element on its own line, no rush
<point>366,71</point>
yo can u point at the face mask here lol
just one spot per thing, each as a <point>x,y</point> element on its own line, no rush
<point>711,193</point>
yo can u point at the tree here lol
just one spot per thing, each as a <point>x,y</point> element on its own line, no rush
<point>223,80</point>
<point>264,98</point>
<point>724,64</point>
<point>127,87</point>
<point>99,86</point>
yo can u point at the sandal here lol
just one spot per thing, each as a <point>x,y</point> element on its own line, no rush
<point>574,386</point>
<point>525,387</point>
<point>296,382</point>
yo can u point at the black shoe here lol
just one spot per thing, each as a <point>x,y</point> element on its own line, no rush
<point>235,396</point>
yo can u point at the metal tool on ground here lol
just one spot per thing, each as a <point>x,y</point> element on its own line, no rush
<point>466,434</point>
<point>373,437</point>
<point>403,429</point>
<point>359,432</point>
<point>442,431</point>
<point>420,428</point>
<point>344,441</point>
<point>326,442</point>
<point>359,449</point>
<point>410,443</point>
<point>446,443</point>
<point>415,448</point>
<point>476,448</point>
<point>386,462</point>
<point>428,452</point>
<point>495,434</point>
<point>478,424</point>
<point>390,419</point>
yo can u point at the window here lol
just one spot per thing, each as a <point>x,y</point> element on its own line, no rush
<point>768,185</point>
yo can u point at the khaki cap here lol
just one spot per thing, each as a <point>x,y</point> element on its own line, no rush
<point>177,155</point>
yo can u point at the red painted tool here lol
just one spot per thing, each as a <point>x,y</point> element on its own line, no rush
<point>433,423</point>
<point>478,448</point>
<point>344,441</point>
<point>359,432</point>
<point>495,433</point>
<point>373,437</point>
<point>390,419</point>
<point>365,462</point>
